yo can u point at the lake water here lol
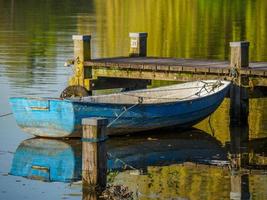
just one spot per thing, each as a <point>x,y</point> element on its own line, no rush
<point>35,41</point>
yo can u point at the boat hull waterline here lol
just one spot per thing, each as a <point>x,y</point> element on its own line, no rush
<point>51,117</point>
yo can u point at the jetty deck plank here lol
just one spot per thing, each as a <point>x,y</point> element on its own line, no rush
<point>176,64</point>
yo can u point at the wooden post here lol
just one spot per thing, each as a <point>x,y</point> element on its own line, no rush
<point>239,187</point>
<point>138,44</point>
<point>239,54</point>
<point>82,52</point>
<point>239,102</point>
<point>239,106</point>
<point>82,47</point>
<point>94,163</point>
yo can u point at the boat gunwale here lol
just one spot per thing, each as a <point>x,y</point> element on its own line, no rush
<point>81,101</point>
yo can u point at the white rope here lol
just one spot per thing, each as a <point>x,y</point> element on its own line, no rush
<point>125,165</point>
<point>125,110</point>
<point>6,114</point>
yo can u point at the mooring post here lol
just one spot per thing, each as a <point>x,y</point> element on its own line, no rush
<point>82,47</point>
<point>82,52</point>
<point>239,105</point>
<point>239,186</point>
<point>94,159</point>
<point>239,54</point>
<point>138,44</point>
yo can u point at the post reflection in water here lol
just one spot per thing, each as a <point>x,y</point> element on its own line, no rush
<point>182,154</point>
<point>239,159</point>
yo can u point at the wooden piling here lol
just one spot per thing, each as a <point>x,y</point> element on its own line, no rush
<point>82,47</point>
<point>82,53</point>
<point>138,44</point>
<point>239,54</point>
<point>239,187</point>
<point>239,102</point>
<point>239,106</point>
<point>94,163</point>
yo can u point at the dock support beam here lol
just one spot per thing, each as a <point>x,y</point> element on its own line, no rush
<point>82,52</point>
<point>94,163</point>
<point>138,44</point>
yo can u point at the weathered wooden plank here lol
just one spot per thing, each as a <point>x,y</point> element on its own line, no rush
<point>258,72</point>
<point>258,81</point>
<point>203,69</point>
<point>156,75</point>
<point>175,68</point>
<point>216,70</point>
<point>123,66</point>
<point>163,68</point>
<point>245,71</point>
<point>161,61</point>
<point>150,67</point>
<point>136,66</point>
<point>172,65</point>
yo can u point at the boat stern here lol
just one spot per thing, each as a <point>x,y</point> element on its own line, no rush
<point>44,117</point>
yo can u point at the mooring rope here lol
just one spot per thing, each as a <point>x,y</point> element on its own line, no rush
<point>4,115</point>
<point>210,125</point>
<point>125,165</point>
<point>124,111</point>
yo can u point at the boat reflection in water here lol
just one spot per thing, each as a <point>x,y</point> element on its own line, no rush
<point>188,159</point>
<point>48,160</point>
<point>139,152</point>
<point>61,160</point>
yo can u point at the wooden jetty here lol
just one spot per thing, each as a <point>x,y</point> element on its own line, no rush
<point>137,70</point>
<point>138,66</point>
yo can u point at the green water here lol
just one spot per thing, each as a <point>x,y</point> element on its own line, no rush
<point>35,41</point>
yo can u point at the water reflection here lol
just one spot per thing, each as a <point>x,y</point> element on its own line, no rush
<point>150,160</point>
<point>60,160</point>
<point>166,148</point>
<point>48,160</point>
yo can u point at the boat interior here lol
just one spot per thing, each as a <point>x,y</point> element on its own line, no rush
<point>171,93</point>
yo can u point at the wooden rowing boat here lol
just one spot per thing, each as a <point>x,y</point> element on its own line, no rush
<point>176,105</point>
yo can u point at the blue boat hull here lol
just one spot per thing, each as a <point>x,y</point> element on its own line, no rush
<point>62,118</point>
